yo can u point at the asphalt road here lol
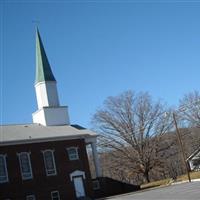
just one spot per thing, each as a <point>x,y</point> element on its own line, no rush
<point>184,191</point>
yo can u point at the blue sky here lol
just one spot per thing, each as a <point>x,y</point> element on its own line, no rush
<point>98,49</point>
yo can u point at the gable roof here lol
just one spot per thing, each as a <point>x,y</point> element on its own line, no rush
<point>43,68</point>
<point>194,154</point>
<point>30,133</point>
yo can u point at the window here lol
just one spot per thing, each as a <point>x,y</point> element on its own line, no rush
<point>96,185</point>
<point>196,163</point>
<point>73,153</point>
<point>49,162</point>
<point>3,169</point>
<point>55,195</point>
<point>25,165</point>
<point>30,197</point>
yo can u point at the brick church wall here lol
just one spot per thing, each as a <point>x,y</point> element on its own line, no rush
<point>42,185</point>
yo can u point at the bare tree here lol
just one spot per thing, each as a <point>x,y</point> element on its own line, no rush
<point>190,109</point>
<point>132,125</point>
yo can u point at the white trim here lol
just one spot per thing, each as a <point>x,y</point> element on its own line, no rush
<point>48,139</point>
<point>96,159</point>
<point>193,154</point>
<point>54,164</point>
<point>47,107</point>
<point>56,191</point>
<point>29,162</point>
<point>76,154</point>
<point>6,170</point>
<point>77,173</point>
<point>30,196</point>
<point>89,140</point>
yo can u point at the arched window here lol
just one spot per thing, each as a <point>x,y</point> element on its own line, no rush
<point>49,162</point>
<point>25,165</point>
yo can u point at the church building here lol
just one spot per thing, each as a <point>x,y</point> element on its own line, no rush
<point>46,159</point>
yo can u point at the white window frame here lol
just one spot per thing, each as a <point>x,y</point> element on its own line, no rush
<point>25,177</point>
<point>71,156</point>
<point>5,166</point>
<point>48,172</point>
<point>58,195</point>
<point>32,197</point>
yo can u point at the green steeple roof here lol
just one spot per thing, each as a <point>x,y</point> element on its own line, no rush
<point>43,68</point>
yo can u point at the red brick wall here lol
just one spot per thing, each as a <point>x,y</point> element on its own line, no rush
<point>42,185</point>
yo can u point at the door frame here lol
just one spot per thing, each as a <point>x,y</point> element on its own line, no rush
<point>75,189</point>
<point>77,174</point>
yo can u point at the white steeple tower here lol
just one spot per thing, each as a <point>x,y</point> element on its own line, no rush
<point>49,112</point>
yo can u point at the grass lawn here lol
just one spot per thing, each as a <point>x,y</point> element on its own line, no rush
<point>194,175</point>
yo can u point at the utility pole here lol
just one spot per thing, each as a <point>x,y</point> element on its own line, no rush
<point>181,147</point>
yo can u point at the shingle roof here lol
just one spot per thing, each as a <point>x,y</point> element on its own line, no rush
<point>10,134</point>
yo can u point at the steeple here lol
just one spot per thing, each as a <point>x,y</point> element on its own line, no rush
<point>43,69</point>
<point>49,110</point>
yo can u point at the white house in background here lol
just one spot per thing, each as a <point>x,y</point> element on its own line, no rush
<point>194,160</point>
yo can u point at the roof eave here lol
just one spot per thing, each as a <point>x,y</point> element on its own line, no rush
<point>49,139</point>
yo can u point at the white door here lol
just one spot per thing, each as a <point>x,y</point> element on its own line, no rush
<point>79,187</point>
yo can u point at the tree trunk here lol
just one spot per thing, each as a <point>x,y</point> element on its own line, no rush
<point>146,176</point>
